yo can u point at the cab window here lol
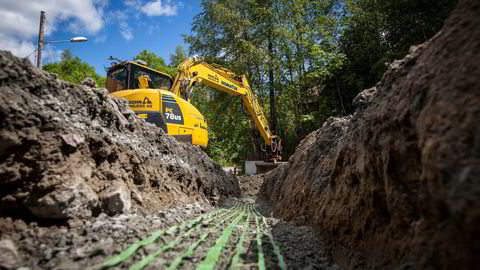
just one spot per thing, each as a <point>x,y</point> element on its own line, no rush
<point>117,79</point>
<point>157,81</point>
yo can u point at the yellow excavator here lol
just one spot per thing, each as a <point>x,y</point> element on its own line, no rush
<point>164,101</point>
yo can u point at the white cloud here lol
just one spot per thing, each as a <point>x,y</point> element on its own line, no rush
<point>135,8</point>
<point>20,20</point>
<point>19,48</point>
<point>125,31</point>
<point>121,17</point>
<point>161,8</point>
<point>25,49</point>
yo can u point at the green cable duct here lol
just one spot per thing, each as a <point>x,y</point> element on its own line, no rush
<point>238,212</point>
<point>150,258</point>
<point>190,250</point>
<point>276,249</point>
<point>124,255</point>
<point>261,256</point>
<point>214,252</point>
<point>239,249</point>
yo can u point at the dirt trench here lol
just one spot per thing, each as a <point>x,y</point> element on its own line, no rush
<point>84,185</point>
<point>239,233</point>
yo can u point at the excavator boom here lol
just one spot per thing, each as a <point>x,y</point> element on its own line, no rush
<point>194,71</point>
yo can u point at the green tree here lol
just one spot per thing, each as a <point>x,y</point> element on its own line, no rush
<point>286,48</point>
<point>178,57</point>
<point>377,32</point>
<point>73,69</point>
<point>227,125</point>
<point>66,55</point>
<point>155,62</point>
<point>314,56</point>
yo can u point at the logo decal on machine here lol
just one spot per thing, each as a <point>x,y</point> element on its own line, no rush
<point>171,110</point>
<point>231,86</point>
<point>136,104</point>
<point>213,77</point>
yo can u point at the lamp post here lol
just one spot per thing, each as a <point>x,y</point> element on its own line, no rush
<point>42,42</point>
<point>40,39</point>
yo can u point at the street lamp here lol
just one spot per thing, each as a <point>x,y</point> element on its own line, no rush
<point>40,47</point>
<point>74,39</point>
<point>42,42</point>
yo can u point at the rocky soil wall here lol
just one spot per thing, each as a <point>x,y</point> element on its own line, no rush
<point>70,151</point>
<point>397,184</point>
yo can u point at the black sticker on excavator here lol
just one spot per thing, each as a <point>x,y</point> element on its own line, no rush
<point>172,113</point>
<point>155,118</point>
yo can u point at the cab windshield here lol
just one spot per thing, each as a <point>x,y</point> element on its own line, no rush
<point>158,81</point>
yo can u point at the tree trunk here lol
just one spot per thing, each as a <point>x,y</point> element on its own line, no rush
<point>273,115</point>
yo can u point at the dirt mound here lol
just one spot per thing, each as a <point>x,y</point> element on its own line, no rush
<point>250,185</point>
<point>68,151</point>
<point>396,184</point>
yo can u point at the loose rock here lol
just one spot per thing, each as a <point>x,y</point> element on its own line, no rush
<point>116,199</point>
<point>9,257</point>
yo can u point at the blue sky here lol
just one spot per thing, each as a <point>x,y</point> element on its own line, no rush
<point>121,28</point>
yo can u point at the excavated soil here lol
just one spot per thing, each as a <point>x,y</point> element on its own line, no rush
<point>71,151</point>
<point>91,243</point>
<point>84,242</point>
<point>396,184</point>
<point>250,185</point>
<point>72,159</point>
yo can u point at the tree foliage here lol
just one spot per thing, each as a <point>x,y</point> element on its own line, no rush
<point>378,32</point>
<point>178,57</point>
<point>155,62</point>
<point>323,53</point>
<point>226,122</point>
<point>151,58</point>
<point>237,35</point>
<point>72,69</point>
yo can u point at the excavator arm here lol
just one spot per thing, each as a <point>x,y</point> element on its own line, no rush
<point>194,71</point>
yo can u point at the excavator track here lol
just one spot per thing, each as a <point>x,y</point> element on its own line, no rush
<point>235,237</point>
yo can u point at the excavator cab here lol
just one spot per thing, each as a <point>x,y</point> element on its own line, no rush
<point>149,95</point>
<point>130,74</point>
